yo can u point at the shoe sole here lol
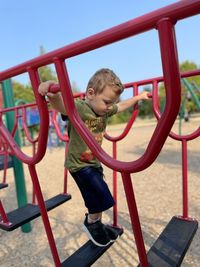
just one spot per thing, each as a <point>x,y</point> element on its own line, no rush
<point>113,240</point>
<point>91,238</point>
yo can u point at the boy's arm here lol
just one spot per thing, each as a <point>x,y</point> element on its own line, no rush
<point>125,104</point>
<point>55,99</point>
<point>57,103</point>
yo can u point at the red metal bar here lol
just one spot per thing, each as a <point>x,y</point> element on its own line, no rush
<point>44,214</point>
<point>130,122</point>
<point>184,139</point>
<point>3,215</point>
<point>171,74</point>
<point>130,197</point>
<point>17,107</point>
<point>60,135</point>
<point>157,112</point>
<point>115,186</point>
<point>65,188</point>
<point>43,135</point>
<point>5,166</point>
<point>177,11</point>
<point>185,178</point>
<point>26,128</point>
<point>184,74</point>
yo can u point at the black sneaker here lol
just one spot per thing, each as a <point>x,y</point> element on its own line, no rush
<point>96,233</point>
<point>112,233</point>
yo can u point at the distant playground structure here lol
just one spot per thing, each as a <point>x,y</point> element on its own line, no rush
<point>171,246</point>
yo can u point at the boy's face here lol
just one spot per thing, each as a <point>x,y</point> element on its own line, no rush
<point>102,102</point>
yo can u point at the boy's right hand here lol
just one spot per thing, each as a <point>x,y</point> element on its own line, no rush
<point>43,89</point>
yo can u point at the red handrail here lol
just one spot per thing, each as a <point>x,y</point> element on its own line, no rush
<point>177,11</point>
<point>174,12</point>
<point>157,112</point>
<point>129,124</point>
<point>172,81</point>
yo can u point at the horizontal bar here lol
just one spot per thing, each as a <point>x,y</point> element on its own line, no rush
<point>177,11</point>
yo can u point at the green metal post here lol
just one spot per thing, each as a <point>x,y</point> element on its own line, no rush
<point>196,86</point>
<point>181,116</point>
<point>8,100</point>
<point>190,89</point>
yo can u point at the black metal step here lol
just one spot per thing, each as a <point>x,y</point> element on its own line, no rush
<point>9,162</point>
<point>3,185</point>
<point>29,212</point>
<point>173,243</point>
<point>86,255</point>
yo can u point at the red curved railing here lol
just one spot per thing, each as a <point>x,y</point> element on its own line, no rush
<point>158,114</point>
<point>130,122</point>
<point>152,20</point>
<point>172,82</point>
<point>183,139</point>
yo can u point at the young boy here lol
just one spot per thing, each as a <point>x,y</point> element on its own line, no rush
<point>101,102</point>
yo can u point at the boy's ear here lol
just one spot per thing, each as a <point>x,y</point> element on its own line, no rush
<point>90,92</point>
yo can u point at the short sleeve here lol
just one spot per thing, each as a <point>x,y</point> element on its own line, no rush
<point>113,110</point>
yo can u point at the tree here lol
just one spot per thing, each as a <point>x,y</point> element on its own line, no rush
<point>189,102</point>
<point>22,92</point>
<point>46,73</point>
<point>25,92</point>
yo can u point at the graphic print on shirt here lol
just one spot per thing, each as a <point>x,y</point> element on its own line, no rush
<point>97,128</point>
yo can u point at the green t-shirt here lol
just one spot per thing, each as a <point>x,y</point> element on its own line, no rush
<point>79,155</point>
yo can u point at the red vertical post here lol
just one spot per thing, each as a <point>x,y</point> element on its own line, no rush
<point>185,178</point>
<point>128,187</point>
<point>3,215</point>
<point>33,193</point>
<point>44,215</point>
<point>5,163</point>
<point>65,171</point>
<point>115,185</point>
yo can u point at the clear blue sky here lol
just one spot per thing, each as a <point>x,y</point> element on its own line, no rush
<point>28,24</point>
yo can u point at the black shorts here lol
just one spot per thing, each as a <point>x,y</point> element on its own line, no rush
<point>94,190</point>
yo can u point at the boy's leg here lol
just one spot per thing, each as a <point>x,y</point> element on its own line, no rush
<point>92,218</point>
<point>96,231</point>
<point>97,198</point>
<point>113,235</point>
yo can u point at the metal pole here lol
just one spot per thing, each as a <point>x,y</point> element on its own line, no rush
<point>17,164</point>
<point>135,221</point>
<point>115,185</point>
<point>185,178</point>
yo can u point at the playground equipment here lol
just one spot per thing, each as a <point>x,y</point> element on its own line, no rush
<point>29,211</point>
<point>57,126</point>
<point>17,165</point>
<point>163,20</point>
<point>181,229</point>
<point>31,117</point>
<point>5,161</point>
<point>190,87</point>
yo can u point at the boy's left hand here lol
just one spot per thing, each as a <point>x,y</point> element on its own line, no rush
<point>144,95</point>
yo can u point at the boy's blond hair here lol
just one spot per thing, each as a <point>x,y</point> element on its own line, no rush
<point>103,78</point>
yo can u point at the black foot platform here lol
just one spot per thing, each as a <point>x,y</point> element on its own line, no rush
<point>3,185</point>
<point>173,243</point>
<point>9,162</point>
<point>86,255</point>
<point>29,212</point>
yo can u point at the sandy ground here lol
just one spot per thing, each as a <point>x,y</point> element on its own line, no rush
<point>158,195</point>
